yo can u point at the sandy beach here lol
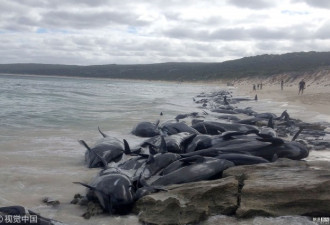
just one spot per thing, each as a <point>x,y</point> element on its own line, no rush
<point>316,96</point>
<point>313,99</point>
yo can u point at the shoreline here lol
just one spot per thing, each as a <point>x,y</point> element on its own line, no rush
<point>316,97</point>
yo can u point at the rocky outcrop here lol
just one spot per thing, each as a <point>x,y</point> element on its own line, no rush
<point>189,203</point>
<point>285,187</point>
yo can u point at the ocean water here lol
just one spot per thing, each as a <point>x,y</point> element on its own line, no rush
<point>41,119</point>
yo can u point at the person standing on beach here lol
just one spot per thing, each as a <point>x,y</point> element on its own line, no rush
<point>282,84</point>
<point>254,87</point>
<point>301,86</point>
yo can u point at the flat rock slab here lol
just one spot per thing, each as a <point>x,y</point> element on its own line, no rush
<point>189,203</point>
<point>285,187</point>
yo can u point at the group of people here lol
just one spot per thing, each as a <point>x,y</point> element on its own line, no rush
<point>302,85</point>
<point>259,86</point>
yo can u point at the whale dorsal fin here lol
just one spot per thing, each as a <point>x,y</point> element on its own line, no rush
<point>83,143</point>
<point>103,134</point>
<point>297,134</point>
<point>270,123</point>
<point>127,149</point>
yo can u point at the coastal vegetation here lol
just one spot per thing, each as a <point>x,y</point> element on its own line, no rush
<point>254,66</point>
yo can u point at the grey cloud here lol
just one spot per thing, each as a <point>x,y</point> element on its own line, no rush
<point>272,47</point>
<point>75,49</point>
<point>57,4</point>
<point>19,23</point>
<point>298,32</point>
<point>172,15</point>
<point>266,33</point>
<point>28,15</point>
<point>27,20</point>
<point>182,32</point>
<point>252,4</point>
<point>316,3</point>
<point>324,31</point>
<point>196,21</point>
<point>9,7</point>
<point>65,3</point>
<point>275,47</point>
<point>229,34</point>
<point>99,31</point>
<point>90,19</point>
<point>33,3</point>
<point>16,28</point>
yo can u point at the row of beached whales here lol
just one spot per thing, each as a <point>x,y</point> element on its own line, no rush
<point>220,136</point>
<point>173,152</point>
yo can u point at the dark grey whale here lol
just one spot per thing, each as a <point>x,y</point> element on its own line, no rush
<point>214,128</point>
<point>114,192</point>
<point>175,143</point>
<point>174,128</point>
<point>202,169</point>
<point>109,148</point>
<point>146,129</point>
<point>224,111</point>
<point>157,163</point>
<point>201,141</point>
<point>242,159</point>
<point>181,163</point>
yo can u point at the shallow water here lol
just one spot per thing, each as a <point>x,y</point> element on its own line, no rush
<point>43,117</point>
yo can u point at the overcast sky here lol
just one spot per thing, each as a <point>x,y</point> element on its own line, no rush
<point>88,32</point>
